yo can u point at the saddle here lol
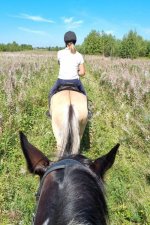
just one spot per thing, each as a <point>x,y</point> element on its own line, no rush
<point>68,86</point>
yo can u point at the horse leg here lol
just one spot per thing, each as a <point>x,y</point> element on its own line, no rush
<point>59,110</point>
<point>57,134</point>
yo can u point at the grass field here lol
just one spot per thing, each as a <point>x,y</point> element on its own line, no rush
<point>119,91</point>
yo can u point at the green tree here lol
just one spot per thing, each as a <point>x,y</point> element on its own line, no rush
<point>26,47</point>
<point>131,45</point>
<point>108,44</point>
<point>92,43</point>
<point>147,53</point>
<point>142,47</point>
<point>100,43</point>
<point>12,47</point>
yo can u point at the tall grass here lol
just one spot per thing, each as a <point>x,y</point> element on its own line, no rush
<point>119,91</point>
<point>122,113</point>
<point>25,83</point>
<point>128,82</point>
<point>130,77</point>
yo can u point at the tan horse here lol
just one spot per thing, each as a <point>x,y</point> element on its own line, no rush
<point>69,118</point>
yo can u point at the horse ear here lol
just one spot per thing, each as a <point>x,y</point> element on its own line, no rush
<point>102,164</point>
<point>36,160</point>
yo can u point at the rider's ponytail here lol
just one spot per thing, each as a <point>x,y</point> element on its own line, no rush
<point>72,47</point>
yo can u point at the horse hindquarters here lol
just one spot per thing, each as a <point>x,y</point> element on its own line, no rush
<point>65,124</point>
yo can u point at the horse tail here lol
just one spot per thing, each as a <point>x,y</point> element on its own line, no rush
<point>72,138</point>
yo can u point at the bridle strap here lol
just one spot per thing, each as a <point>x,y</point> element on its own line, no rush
<point>62,164</point>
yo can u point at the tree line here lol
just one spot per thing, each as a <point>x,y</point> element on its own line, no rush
<point>13,47</point>
<point>131,46</point>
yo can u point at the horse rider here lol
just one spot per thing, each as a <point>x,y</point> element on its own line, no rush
<point>71,64</point>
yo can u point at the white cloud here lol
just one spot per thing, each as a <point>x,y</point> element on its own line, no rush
<point>40,32</point>
<point>78,22</point>
<point>34,18</point>
<point>71,23</point>
<point>68,20</point>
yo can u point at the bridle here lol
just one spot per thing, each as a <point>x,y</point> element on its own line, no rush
<point>62,164</point>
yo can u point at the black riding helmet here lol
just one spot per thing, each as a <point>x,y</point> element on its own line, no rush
<point>70,36</point>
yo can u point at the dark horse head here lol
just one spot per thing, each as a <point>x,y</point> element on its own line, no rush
<point>71,190</point>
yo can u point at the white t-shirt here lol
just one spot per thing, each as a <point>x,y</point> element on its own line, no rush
<point>69,64</point>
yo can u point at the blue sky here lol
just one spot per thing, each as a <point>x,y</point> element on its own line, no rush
<point>44,22</point>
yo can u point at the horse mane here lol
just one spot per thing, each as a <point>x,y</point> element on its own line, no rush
<point>81,194</point>
<point>71,142</point>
